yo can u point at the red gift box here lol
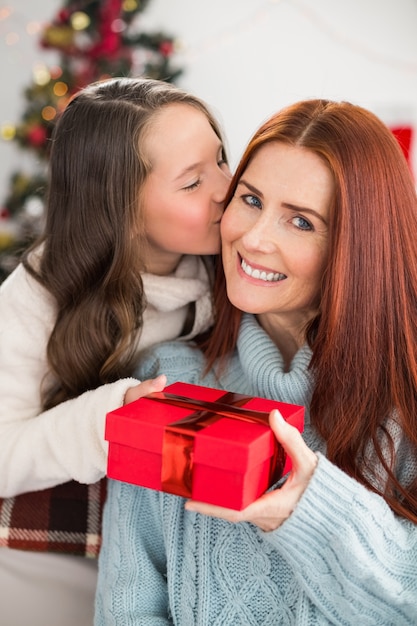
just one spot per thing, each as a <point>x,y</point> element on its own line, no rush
<point>201,443</point>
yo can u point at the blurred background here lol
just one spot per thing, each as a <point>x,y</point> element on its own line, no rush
<point>246,58</point>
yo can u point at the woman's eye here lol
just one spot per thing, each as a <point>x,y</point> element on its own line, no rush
<point>302,223</point>
<point>193,185</point>
<point>252,201</point>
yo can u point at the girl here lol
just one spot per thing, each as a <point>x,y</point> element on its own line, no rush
<point>138,176</point>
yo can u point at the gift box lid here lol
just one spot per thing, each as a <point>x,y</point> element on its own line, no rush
<point>142,423</point>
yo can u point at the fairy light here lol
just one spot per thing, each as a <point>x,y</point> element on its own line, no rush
<point>8,131</point>
<point>129,5</point>
<point>118,26</point>
<point>34,207</point>
<point>80,20</point>
<point>33,28</point>
<point>48,113</point>
<point>60,89</point>
<point>56,72</point>
<point>41,74</point>
<point>5,12</point>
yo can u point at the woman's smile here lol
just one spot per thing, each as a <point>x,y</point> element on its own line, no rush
<point>259,273</point>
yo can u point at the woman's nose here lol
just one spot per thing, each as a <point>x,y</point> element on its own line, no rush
<point>260,236</point>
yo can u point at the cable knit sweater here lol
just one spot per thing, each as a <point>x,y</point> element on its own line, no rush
<point>42,449</point>
<point>342,557</point>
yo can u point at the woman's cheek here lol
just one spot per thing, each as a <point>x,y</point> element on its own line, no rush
<point>229,223</point>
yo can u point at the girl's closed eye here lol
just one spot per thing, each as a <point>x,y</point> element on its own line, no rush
<point>192,186</point>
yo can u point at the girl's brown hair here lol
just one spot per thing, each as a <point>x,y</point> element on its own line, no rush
<point>364,339</point>
<point>93,244</point>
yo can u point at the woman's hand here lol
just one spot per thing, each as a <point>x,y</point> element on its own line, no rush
<point>144,389</point>
<point>273,508</point>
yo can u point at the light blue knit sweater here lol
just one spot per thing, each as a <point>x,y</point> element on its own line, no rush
<point>341,558</point>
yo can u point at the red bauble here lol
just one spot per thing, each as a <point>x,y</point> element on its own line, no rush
<point>63,16</point>
<point>37,136</point>
<point>166,48</point>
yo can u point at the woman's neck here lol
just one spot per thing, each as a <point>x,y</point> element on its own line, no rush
<point>287,336</point>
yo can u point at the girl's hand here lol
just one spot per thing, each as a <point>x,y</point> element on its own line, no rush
<point>144,389</point>
<point>273,508</point>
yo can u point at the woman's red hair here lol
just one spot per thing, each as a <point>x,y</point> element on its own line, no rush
<point>364,339</point>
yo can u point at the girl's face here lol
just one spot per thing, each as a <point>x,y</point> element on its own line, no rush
<point>183,195</point>
<point>274,234</point>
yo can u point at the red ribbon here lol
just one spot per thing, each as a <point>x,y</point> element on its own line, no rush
<point>178,442</point>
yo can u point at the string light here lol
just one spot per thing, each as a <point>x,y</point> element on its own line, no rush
<point>8,131</point>
<point>56,72</point>
<point>5,13</point>
<point>41,74</point>
<point>80,20</point>
<point>33,28</point>
<point>48,113</point>
<point>129,5</point>
<point>60,89</point>
<point>118,26</point>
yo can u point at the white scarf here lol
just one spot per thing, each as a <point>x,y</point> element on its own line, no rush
<point>168,298</point>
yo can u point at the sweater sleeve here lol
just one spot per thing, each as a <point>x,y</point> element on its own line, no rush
<point>132,584</point>
<point>42,449</point>
<point>356,561</point>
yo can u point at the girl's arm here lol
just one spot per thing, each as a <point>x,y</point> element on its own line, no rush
<point>42,449</point>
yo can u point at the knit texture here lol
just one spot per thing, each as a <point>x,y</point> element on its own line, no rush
<point>341,558</point>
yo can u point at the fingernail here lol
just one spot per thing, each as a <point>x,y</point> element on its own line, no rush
<point>160,379</point>
<point>278,416</point>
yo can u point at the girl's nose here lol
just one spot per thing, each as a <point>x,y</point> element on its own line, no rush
<point>224,177</point>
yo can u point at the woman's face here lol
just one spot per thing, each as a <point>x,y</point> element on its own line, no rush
<point>183,195</point>
<point>275,236</point>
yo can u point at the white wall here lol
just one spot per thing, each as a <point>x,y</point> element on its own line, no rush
<point>248,58</point>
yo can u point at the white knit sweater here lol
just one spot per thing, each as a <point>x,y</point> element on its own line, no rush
<point>42,449</point>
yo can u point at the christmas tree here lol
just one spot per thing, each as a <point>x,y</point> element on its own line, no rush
<point>94,40</point>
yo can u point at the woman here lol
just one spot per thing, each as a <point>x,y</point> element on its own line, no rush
<point>137,181</point>
<point>320,267</point>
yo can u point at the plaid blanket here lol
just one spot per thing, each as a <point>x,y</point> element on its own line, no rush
<point>65,519</point>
